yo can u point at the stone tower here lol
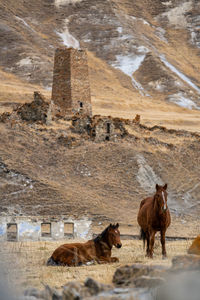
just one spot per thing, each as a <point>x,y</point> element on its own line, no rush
<point>71,88</point>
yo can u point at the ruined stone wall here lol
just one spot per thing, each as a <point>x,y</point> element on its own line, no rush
<point>36,111</point>
<point>100,128</point>
<point>71,88</point>
<point>104,130</point>
<point>42,228</point>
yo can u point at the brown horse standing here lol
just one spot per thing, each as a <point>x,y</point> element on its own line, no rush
<point>98,249</point>
<point>154,216</point>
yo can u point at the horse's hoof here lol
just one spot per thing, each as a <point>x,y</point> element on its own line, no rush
<point>114,259</point>
<point>149,256</point>
<point>164,257</point>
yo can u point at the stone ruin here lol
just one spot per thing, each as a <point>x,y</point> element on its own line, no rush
<point>71,100</point>
<point>36,111</point>
<point>42,228</point>
<point>71,88</point>
<point>100,128</point>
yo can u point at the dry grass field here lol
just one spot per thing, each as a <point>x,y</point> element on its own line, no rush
<point>24,262</point>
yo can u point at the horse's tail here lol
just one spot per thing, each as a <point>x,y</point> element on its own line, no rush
<point>51,262</point>
<point>143,236</point>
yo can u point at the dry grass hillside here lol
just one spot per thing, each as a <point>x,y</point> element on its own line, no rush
<point>104,181</point>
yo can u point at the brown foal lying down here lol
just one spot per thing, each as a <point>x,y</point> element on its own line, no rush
<point>98,250</point>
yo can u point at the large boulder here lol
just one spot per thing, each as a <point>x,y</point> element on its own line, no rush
<point>96,287</point>
<point>195,247</point>
<point>139,275</point>
<point>72,291</point>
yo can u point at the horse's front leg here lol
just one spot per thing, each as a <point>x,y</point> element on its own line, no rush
<point>162,240</point>
<point>151,243</point>
<point>147,239</point>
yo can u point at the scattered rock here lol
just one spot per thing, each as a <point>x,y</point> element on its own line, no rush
<point>132,275</point>
<point>148,281</point>
<point>72,291</point>
<point>33,292</point>
<point>195,247</point>
<point>96,287</point>
<point>4,117</point>
<point>185,262</point>
<point>51,294</point>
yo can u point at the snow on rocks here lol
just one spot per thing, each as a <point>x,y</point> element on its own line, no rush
<point>183,101</point>
<point>67,38</point>
<point>177,72</point>
<point>24,23</point>
<point>59,3</point>
<point>129,64</point>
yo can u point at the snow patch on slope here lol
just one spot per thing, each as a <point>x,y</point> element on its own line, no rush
<point>25,62</point>
<point>182,101</point>
<point>141,20</point>
<point>167,3</point>
<point>129,64</point>
<point>25,23</point>
<point>68,39</point>
<point>160,33</point>
<point>181,75</point>
<point>59,3</point>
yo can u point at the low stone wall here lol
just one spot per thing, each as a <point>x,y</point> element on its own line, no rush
<point>13,228</point>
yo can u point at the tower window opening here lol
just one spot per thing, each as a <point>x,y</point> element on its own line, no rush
<point>46,229</point>
<point>108,128</point>
<point>11,232</point>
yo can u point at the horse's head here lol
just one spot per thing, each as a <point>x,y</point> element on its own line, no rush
<point>114,235</point>
<point>161,197</point>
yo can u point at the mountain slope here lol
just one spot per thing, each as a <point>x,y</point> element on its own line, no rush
<point>157,38</point>
<point>143,58</point>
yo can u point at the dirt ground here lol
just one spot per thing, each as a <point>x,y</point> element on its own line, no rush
<point>24,262</point>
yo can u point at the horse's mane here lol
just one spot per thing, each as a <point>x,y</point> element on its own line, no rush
<point>101,235</point>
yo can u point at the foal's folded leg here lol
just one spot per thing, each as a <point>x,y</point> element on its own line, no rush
<point>104,260</point>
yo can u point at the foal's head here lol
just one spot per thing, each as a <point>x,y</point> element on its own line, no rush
<point>161,197</point>
<point>114,235</point>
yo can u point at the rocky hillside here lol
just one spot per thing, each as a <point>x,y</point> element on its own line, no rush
<point>50,170</point>
<point>143,58</point>
<point>154,44</point>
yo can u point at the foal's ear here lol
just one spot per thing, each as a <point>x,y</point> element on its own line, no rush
<point>165,186</point>
<point>117,225</point>
<point>157,187</point>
